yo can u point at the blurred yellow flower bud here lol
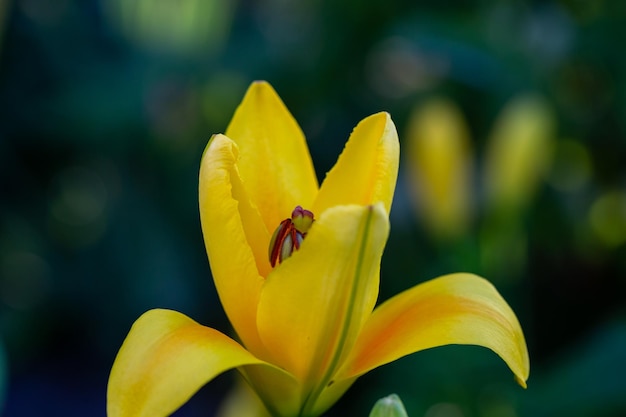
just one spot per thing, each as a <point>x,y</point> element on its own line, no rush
<point>440,167</point>
<point>519,153</point>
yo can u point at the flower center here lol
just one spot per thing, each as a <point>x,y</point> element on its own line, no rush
<point>289,235</point>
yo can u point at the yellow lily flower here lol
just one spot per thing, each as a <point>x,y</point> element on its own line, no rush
<point>307,326</point>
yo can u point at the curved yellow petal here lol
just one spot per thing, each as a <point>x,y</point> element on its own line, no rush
<point>453,309</point>
<point>164,360</point>
<point>275,164</point>
<point>366,170</point>
<point>235,238</point>
<point>315,302</point>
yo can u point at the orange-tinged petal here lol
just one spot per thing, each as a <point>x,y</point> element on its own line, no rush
<point>236,239</point>
<point>164,360</point>
<point>314,303</point>
<point>275,164</point>
<point>366,170</point>
<point>453,309</point>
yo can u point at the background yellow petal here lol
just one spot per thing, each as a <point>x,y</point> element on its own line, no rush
<point>366,170</point>
<point>236,239</point>
<point>242,401</point>
<point>314,303</point>
<point>519,153</point>
<point>275,164</point>
<point>164,360</point>
<point>440,168</point>
<point>453,309</point>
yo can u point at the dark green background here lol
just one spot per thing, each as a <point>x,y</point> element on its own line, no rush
<point>101,134</point>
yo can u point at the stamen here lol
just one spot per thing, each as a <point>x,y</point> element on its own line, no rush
<point>289,235</point>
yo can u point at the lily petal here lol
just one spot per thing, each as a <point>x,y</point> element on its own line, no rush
<point>366,170</point>
<point>314,303</point>
<point>330,395</point>
<point>279,391</point>
<point>453,309</point>
<point>234,236</point>
<point>275,164</point>
<point>164,360</point>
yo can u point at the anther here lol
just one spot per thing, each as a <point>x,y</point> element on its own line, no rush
<point>289,235</point>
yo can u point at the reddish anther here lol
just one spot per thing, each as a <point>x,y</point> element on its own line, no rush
<point>289,235</point>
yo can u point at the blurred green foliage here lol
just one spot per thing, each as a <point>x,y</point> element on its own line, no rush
<point>106,106</point>
<point>390,406</point>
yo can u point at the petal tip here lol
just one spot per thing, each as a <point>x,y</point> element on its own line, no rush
<point>385,125</point>
<point>521,382</point>
<point>384,114</point>
<point>381,117</point>
<point>218,142</point>
<point>260,87</point>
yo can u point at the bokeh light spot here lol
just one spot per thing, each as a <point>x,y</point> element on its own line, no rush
<point>571,169</point>
<point>24,279</point>
<point>444,410</point>
<point>608,218</point>
<point>78,206</point>
<point>396,68</point>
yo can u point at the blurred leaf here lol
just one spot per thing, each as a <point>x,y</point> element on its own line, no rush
<point>181,27</point>
<point>390,406</point>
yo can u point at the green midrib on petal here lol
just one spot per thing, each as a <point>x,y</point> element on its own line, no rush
<point>317,390</point>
